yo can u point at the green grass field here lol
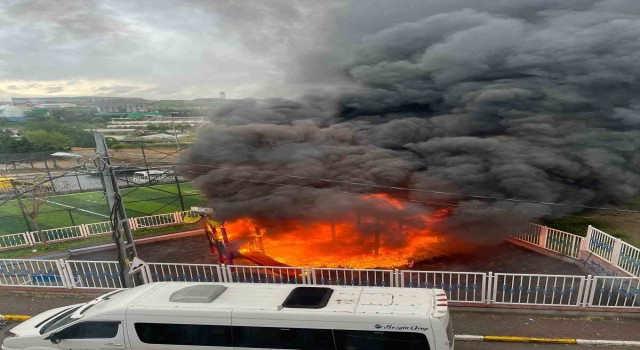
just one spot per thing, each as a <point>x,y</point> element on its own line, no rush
<point>89,207</point>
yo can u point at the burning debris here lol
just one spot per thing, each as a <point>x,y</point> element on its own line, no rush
<point>468,107</point>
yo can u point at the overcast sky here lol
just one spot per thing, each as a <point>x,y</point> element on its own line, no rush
<point>153,49</point>
<point>163,49</point>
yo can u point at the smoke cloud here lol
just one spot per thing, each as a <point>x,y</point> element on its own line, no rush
<point>536,100</point>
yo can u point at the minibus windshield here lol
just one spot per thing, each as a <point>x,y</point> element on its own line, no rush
<point>59,321</point>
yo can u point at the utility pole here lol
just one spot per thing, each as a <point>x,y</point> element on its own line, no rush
<point>175,177</point>
<point>120,224</point>
<point>173,126</point>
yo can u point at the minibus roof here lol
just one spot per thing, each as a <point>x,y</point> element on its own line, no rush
<point>151,172</point>
<point>416,302</point>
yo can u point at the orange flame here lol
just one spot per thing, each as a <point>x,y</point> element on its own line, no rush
<point>350,242</point>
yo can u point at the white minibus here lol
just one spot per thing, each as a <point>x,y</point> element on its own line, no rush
<point>151,176</point>
<point>184,316</point>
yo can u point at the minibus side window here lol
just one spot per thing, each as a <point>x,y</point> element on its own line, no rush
<point>282,338</point>
<point>91,330</point>
<point>374,340</point>
<point>184,334</point>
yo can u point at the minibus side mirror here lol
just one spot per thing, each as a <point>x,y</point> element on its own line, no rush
<point>54,338</point>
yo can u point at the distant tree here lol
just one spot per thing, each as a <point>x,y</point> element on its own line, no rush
<point>37,114</point>
<point>8,144</point>
<point>42,140</point>
<point>34,197</point>
<point>81,138</point>
<point>110,141</point>
<point>74,131</point>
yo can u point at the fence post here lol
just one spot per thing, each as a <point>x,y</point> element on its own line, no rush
<point>133,223</point>
<point>588,291</point>
<point>492,287</point>
<point>587,239</point>
<point>32,238</point>
<point>544,232</point>
<point>226,273</point>
<point>307,275</point>
<point>27,238</point>
<point>84,230</point>
<point>177,218</point>
<point>145,272</point>
<point>615,254</point>
<point>486,288</point>
<point>395,282</point>
<point>65,274</point>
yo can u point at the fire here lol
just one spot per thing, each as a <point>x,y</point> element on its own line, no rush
<point>355,241</point>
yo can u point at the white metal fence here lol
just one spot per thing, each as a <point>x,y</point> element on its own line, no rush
<point>160,272</point>
<point>629,259</point>
<point>266,274</point>
<point>466,287</point>
<point>617,253</point>
<point>353,277</point>
<point>600,243</point>
<point>26,239</point>
<point>621,292</point>
<point>535,289</point>
<point>530,233</point>
<point>31,272</point>
<point>461,287</point>
<point>562,242</point>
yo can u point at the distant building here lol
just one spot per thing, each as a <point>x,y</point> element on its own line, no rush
<point>12,113</point>
<point>15,119</point>
<point>55,105</point>
<point>116,108</point>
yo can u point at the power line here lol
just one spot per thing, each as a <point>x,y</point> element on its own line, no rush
<point>516,200</point>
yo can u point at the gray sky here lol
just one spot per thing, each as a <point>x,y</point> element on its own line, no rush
<point>247,48</point>
<point>153,49</point>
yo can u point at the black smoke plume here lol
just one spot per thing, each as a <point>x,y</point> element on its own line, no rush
<point>535,100</point>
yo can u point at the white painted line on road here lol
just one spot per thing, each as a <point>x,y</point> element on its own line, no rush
<point>516,339</point>
<point>83,210</point>
<point>608,342</point>
<point>469,337</point>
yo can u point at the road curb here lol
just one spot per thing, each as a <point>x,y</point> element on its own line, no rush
<point>511,339</point>
<point>14,317</point>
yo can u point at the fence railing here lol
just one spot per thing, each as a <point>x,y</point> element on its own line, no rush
<point>530,233</point>
<point>466,287</point>
<point>535,289</point>
<point>629,259</point>
<point>623,292</point>
<point>156,220</point>
<point>30,272</point>
<point>26,239</point>
<point>266,274</point>
<point>567,291</point>
<point>600,243</point>
<point>564,243</point>
<point>614,251</point>
<point>161,272</point>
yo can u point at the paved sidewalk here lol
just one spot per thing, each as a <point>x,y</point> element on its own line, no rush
<point>466,322</point>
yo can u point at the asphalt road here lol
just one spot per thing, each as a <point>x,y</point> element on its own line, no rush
<point>465,321</point>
